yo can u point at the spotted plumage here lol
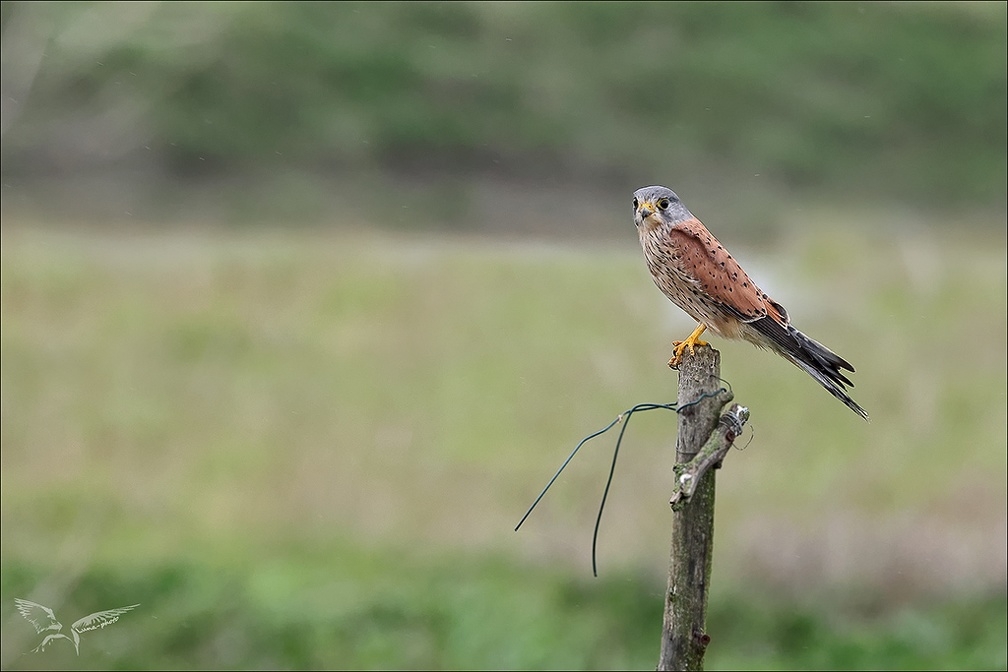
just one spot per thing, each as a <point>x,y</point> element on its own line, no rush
<point>693,269</point>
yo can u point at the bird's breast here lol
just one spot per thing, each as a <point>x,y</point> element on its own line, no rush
<point>675,279</point>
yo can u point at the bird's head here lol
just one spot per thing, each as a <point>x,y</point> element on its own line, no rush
<point>656,207</point>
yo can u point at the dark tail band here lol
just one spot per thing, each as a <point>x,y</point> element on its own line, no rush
<point>812,357</point>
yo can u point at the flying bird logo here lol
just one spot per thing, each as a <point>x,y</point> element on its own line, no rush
<point>45,621</point>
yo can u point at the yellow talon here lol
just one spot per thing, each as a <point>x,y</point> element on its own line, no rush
<point>678,347</point>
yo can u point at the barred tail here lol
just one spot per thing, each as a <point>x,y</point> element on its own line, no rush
<point>812,357</point>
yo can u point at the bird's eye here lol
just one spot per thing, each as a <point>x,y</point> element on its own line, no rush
<point>635,204</point>
<point>664,203</point>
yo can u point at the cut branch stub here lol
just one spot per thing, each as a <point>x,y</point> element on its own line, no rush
<point>689,474</point>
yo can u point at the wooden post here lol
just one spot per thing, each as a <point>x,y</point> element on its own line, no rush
<point>701,443</point>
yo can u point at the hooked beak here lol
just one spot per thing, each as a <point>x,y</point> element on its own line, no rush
<point>643,212</point>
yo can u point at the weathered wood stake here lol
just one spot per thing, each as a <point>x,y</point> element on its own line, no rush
<point>702,443</point>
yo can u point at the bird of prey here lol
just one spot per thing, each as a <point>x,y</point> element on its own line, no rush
<point>44,620</point>
<point>698,274</point>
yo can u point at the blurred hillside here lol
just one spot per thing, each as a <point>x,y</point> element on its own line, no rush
<point>466,110</point>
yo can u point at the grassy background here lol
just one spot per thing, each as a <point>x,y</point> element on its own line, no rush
<point>311,450</point>
<point>303,303</point>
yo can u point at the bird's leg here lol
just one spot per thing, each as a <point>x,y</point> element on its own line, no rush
<point>678,347</point>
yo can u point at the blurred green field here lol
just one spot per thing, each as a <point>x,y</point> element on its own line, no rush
<point>309,449</point>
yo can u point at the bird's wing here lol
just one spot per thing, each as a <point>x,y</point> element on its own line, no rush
<point>100,619</point>
<point>720,276</point>
<point>36,614</point>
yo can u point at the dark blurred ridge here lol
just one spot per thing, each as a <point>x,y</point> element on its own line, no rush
<point>889,102</point>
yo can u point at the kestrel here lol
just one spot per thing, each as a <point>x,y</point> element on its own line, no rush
<point>698,274</point>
